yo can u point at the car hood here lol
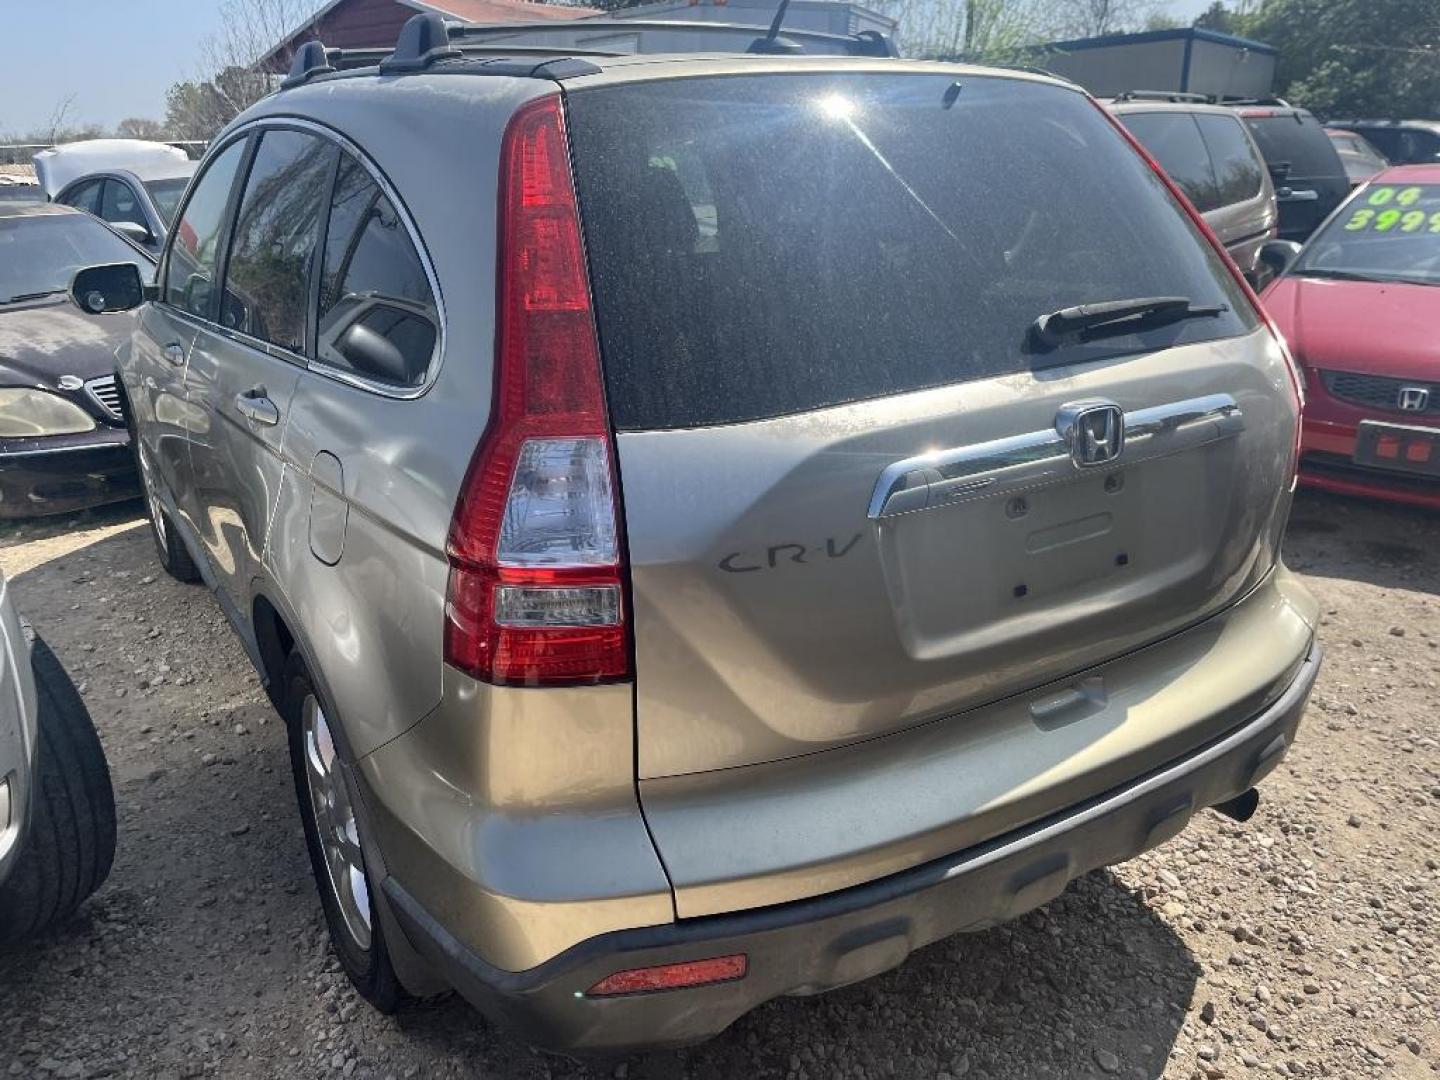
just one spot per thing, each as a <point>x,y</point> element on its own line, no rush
<point>45,339</point>
<point>1369,327</point>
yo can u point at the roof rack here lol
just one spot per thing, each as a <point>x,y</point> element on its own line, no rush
<point>427,38</point>
<point>1272,102</point>
<point>865,43</point>
<point>1177,96</point>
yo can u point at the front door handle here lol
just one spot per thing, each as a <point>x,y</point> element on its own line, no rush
<point>175,353</point>
<point>255,405</point>
<point>1287,194</point>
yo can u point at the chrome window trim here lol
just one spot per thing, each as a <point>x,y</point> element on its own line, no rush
<point>328,371</point>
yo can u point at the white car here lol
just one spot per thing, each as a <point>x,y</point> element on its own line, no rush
<point>132,184</point>
<point>57,810</point>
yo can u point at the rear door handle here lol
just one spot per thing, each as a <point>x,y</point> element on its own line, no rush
<point>1286,194</point>
<point>175,353</point>
<point>255,405</point>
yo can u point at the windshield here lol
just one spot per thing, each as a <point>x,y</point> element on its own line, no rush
<point>166,196</point>
<point>40,254</point>
<point>1389,232</point>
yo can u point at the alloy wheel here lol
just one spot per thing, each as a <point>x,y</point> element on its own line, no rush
<point>335,823</point>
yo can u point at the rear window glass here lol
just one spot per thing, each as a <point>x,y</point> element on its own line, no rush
<point>1174,141</point>
<point>1298,141</point>
<point>766,245</point>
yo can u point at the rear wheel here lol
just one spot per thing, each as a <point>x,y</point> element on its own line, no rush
<point>332,835</point>
<point>69,845</point>
<point>173,554</point>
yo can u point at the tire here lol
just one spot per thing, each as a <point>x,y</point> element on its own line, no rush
<point>169,548</point>
<point>69,844</point>
<point>326,797</point>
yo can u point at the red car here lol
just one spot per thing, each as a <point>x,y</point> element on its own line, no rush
<point>1360,307</point>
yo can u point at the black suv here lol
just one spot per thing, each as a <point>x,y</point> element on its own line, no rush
<point>1310,178</point>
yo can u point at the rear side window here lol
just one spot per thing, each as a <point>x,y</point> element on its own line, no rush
<point>1418,146</point>
<point>1174,140</point>
<point>86,197</point>
<point>377,312</point>
<point>1298,141</point>
<point>1238,175</point>
<point>267,278</point>
<point>195,244</point>
<point>766,245</point>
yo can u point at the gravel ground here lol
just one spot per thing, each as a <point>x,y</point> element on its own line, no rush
<point>1299,944</point>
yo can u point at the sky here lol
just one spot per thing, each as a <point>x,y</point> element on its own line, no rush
<point>118,57</point>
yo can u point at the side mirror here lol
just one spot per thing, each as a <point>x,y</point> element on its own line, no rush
<point>131,231</point>
<point>1278,255</point>
<point>103,289</point>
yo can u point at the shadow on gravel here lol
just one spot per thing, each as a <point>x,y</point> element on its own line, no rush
<point>23,530</point>
<point>1055,994</point>
<point>1387,545</point>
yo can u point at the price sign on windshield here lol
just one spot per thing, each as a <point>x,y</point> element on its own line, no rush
<point>1396,209</point>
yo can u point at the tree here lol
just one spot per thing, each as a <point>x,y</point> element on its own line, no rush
<point>995,30</point>
<point>1354,57</point>
<point>234,79</point>
<point>1216,17</point>
<point>140,127</point>
<point>58,116</point>
<point>1093,18</point>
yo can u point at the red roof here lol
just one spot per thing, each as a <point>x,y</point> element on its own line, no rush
<point>360,24</point>
<point>486,11</point>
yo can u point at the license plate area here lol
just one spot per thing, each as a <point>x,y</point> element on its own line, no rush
<point>1403,448</point>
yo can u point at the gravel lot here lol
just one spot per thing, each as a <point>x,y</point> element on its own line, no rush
<point>1300,944</point>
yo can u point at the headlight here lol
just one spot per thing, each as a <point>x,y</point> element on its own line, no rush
<point>26,412</point>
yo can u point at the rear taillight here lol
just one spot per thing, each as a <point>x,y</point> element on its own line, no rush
<point>1297,378</point>
<point>535,595</point>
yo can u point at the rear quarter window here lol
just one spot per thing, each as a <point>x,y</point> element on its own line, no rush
<point>1239,174</point>
<point>1296,140</point>
<point>765,245</point>
<point>1173,139</point>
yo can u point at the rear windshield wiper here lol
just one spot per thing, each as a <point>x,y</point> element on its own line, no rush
<point>1112,318</point>
<point>31,296</point>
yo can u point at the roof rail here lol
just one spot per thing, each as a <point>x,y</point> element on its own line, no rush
<point>427,38</point>
<point>865,43</point>
<point>1177,96</point>
<point>1273,102</point>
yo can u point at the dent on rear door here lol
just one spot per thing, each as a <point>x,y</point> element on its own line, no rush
<point>236,462</point>
<point>154,376</point>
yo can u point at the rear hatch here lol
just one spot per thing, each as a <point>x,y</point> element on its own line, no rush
<point>1310,178</point>
<point>849,504</point>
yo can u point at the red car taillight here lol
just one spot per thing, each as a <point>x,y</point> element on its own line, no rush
<point>535,594</point>
<point>1297,378</point>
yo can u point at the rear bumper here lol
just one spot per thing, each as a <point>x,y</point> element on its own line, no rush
<point>66,473</point>
<point>814,945</point>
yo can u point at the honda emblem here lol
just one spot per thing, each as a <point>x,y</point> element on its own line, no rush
<point>1094,431</point>
<point>1414,398</point>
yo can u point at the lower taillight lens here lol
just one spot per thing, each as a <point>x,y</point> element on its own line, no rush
<point>716,969</point>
